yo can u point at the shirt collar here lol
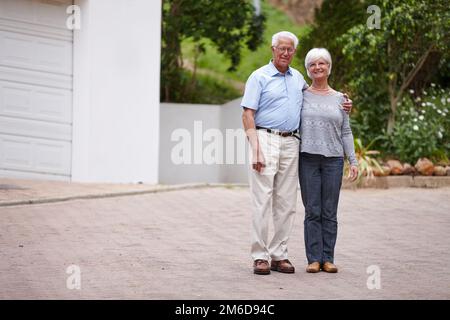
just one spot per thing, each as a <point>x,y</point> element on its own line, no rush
<point>274,71</point>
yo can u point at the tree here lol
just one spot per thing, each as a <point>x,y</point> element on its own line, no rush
<point>390,60</point>
<point>332,20</point>
<point>229,24</point>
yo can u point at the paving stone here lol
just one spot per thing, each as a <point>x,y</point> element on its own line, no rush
<point>195,244</point>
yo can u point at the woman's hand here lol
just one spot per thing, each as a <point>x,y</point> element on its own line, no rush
<point>353,173</point>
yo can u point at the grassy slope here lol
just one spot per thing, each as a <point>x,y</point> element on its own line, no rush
<point>216,63</point>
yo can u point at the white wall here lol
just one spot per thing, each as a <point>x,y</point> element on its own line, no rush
<point>231,118</point>
<point>220,118</point>
<point>116,91</point>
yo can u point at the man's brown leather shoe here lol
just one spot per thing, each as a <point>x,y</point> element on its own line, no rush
<point>261,266</point>
<point>329,267</point>
<point>284,266</point>
<point>313,267</point>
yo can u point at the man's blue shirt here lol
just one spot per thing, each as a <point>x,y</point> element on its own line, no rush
<point>276,97</point>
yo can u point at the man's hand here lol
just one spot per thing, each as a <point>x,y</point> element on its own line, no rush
<point>353,173</point>
<point>258,162</point>
<point>348,104</point>
<point>248,119</point>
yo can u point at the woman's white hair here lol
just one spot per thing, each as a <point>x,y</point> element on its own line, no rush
<point>284,34</point>
<point>314,55</point>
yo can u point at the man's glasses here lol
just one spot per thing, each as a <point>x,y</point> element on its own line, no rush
<point>289,50</point>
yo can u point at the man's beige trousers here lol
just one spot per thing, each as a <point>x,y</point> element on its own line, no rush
<point>274,193</point>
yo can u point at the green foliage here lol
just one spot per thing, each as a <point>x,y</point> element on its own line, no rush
<point>209,90</point>
<point>217,62</point>
<point>366,157</point>
<point>228,24</point>
<point>423,127</point>
<point>388,61</point>
<point>377,66</point>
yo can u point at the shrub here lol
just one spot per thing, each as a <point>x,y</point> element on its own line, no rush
<point>204,89</point>
<point>367,162</point>
<point>423,127</point>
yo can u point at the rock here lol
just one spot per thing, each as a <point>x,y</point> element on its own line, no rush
<point>396,167</point>
<point>408,169</point>
<point>386,171</point>
<point>439,171</point>
<point>425,167</point>
<point>447,169</point>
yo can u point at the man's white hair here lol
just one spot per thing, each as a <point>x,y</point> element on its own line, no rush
<point>284,34</point>
<point>314,55</point>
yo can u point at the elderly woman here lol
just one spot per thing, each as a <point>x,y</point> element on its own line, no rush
<point>326,140</point>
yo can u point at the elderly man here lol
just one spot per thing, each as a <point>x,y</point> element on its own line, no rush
<point>272,105</point>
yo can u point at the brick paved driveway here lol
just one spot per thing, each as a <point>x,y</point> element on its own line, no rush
<point>194,244</point>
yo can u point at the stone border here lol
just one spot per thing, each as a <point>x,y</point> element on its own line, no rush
<point>400,182</point>
<point>156,189</point>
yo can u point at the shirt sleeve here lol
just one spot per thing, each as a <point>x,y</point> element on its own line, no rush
<point>347,139</point>
<point>252,93</point>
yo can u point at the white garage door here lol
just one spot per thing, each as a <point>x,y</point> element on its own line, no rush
<point>35,89</point>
